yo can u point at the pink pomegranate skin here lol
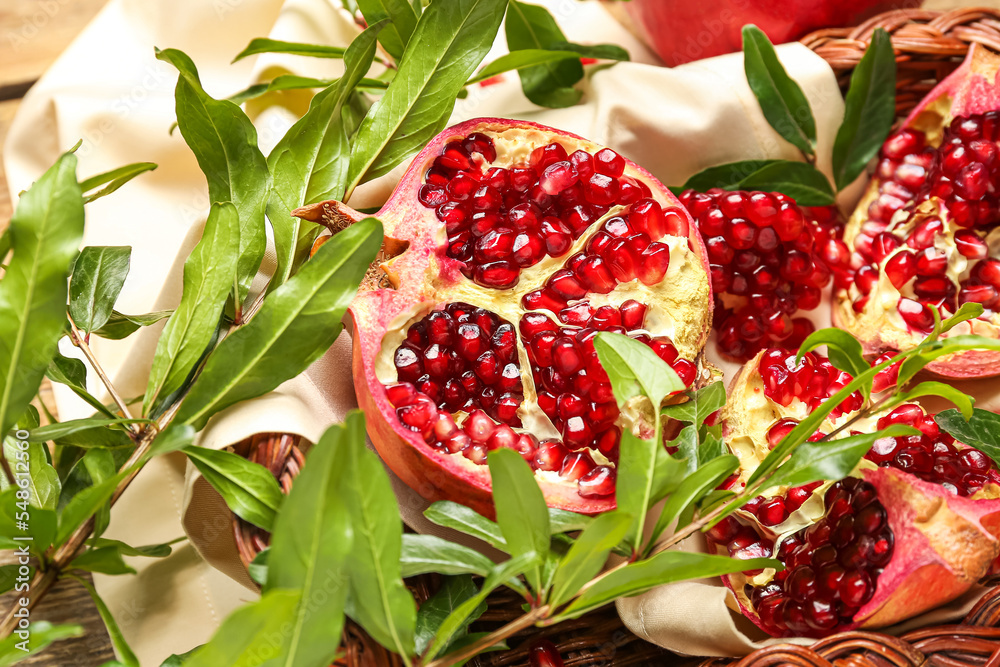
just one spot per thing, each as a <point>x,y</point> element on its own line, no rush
<point>423,275</point>
<point>681,31</point>
<point>970,90</point>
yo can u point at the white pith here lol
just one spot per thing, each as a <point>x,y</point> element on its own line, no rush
<point>667,303</point>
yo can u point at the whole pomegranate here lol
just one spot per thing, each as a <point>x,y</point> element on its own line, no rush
<point>924,236</point>
<point>913,527</point>
<point>769,258</point>
<point>680,32</point>
<point>514,244</point>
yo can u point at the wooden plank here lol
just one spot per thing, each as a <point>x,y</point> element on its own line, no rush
<point>34,33</point>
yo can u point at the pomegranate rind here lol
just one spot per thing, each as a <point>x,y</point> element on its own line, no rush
<point>944,543</point>
<point>424,277</point>
<point>942,548</point>
<point>971,89</point>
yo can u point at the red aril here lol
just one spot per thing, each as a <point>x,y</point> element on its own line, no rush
<point>769,258</point>
<point>913,527</point>
<point>936,192</point>
<point>510,247</point>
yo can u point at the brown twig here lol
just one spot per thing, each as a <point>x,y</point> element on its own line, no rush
<point>80,341</point>
<point>489,640</point>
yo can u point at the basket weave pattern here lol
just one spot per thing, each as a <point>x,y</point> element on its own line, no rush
<point>928,46</point>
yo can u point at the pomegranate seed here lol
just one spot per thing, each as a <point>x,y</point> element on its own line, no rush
<point>969,244</point>
<point>915,314</point>
<point>598,483</point>
<point>543,653</point>
<point>645,216</point>
<point>609,163</point>
<point>901,268</point>
<point>653,263</point>
<point>557,177</point>
<point>931,262</point>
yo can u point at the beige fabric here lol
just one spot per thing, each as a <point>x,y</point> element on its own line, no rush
<point>109,89</point>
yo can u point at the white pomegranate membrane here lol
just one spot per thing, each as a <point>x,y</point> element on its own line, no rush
<point>833,564</point>
<point>770,258</point>
<point>458,367</point>
<point>927,231</point>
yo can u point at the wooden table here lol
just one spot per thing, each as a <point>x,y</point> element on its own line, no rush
<point>30,40</point>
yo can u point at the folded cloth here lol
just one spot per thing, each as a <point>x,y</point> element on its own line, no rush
<point>109,89</point>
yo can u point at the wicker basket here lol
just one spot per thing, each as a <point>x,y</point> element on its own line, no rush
<point>929,46</point>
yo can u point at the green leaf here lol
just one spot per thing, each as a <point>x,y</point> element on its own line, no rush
<point>247,636</point>
<point>98,277</point>
<point>176,660</point>
<point>208,277</point>
<point>459,517</point>
<point>296,325</point>
<point>664,568</point>
<point>453,592</point>
<point>428,553</point>
<point>5,244</point>
<point>257,569</point>
<point>85,504</point>
<point>843,349</point>
<point>147,551</point>
<point>396,35</point>
<point>114,179</point>
<point>41,524</point>
<point>60,430</point>
<point>73,374</point>
<point>121,646</point>
<point>693,489</point>
<point>106,560</point>
<point>634,369</point>
<point>800,181</point>
<point>561,521</point>
<point>224,141</point>
<point>961,400</point>
<point>8,576</point>
<point>264,45</point>
<point>248,488</point>
<point>175,438</point>
<point>702,403</point>
<point>830,459</point>
<point>981,431</point>
<point>636,486</point>
<point>29,460</point>
<point>781,99</point>
<point>311,161</point>
<point>45,231</point>
<point>967,311</point>
<point>550,84</point>
<point>522,514</point>
<point>598,51</point>
<point>460,617</point>
<point>520,60</point>
<point>587,555</point>
<point>450,40</point>
<point>311,541</point>
<point>379,600</point>
<point>38,636</point>
<point>121,326</point>
<point>870,110</point>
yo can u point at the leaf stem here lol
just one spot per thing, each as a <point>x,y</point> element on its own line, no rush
<point>80,342</point>
<point>489,640</point>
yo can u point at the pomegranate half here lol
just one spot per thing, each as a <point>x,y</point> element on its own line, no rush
<point>511,246</point>
<point>925,235</point>
<point>913,527</point>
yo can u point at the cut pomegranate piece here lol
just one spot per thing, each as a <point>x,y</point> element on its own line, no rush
<point>513,244</point>
<point>769,259</point>
<point>860,554</point>
<point>936,192</point>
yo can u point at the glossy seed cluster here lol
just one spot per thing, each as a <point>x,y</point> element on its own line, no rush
<point>500,220</point>
<point>963,172</point>
<point>769,259</point>
<point>812,380</point>
<point>831,567</point>
<point>464,358</point>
